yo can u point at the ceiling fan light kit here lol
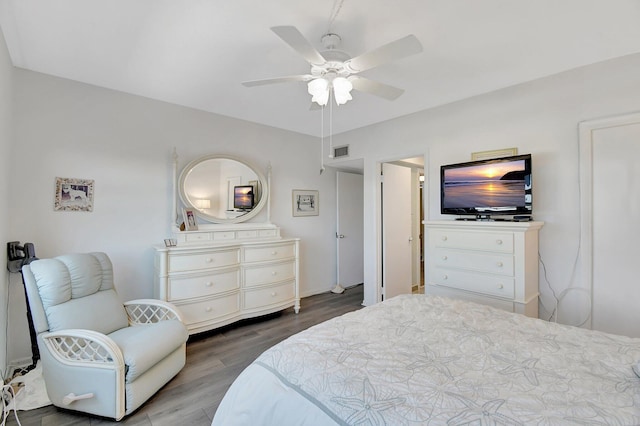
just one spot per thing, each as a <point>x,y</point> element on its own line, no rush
<point>334,71</point>
<point>320,89</point>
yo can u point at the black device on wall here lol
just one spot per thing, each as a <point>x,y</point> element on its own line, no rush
<point>17,257</point>
<point>498,186</point>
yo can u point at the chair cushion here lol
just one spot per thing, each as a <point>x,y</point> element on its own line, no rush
<point>144,345</point>
<point>102,312</point>
<point>85,282</point>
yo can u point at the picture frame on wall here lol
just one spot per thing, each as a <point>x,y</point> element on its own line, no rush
<point>189,217</point>
<point>305,202</point>
<point>496,153</point>
<point>73,195</point>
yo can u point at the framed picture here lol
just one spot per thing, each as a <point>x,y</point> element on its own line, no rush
<point>170,242</point>
<point>305,203</point>
<point>496,153</point>
<point>73,195</point>
<point>257,190</point>
<point>189,217</point>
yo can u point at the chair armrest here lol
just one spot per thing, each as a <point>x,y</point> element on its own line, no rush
<point>75,347</point>
<point>144,311</point>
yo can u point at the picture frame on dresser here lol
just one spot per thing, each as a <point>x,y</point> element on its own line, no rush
<point>189,217</point>
<point>305,202</point>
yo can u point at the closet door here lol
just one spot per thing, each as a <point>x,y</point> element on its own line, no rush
<point>615,230</point>
<point>396,230</point>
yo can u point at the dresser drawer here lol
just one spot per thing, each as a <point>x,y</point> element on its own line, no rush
<point>270,273</point>
<point>208,310</point>
<point>203,260</point>
<point>484,241</point>
<point>247,234</point>
<point>199,236</point>
<point>271,252</point>
<point>191,286</point>
<point>224,236</point>
<point>502,264</point>
<point>259,298</point>
<point>495,285</point>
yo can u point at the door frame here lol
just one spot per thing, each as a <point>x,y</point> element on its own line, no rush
<point>586,141</point>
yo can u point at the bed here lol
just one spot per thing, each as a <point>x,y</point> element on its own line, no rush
<point>427,360</point>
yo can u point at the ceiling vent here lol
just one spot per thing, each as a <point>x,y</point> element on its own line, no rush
<point>341,151</point>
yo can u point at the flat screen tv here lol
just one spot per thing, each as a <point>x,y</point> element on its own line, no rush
<point>243,197</point>
<point>500,186</point>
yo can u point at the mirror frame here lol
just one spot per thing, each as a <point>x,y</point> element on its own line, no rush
<point>245,217</point>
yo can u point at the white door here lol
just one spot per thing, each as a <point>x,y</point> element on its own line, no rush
<point>396,230</point>
<point>350,229</point>
<point>616,207</point>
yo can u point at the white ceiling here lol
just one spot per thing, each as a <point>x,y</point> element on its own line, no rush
<point>197,52</point>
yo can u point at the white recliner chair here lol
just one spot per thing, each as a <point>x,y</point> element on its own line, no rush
<point>100,356</point>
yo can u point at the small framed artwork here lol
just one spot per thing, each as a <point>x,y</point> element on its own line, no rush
<point>305,203</point>
<point>73,195</point>
<point>189,217</point>
<point>496,153</point>
<point>170,242</point>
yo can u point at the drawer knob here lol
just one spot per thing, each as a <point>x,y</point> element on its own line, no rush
<point>273,253</point>
<point>209,260</point>
<point>499,242</point>
<point>209,284</point>
<point>444,257</point>
<point>274,273</point>
<point>444,277</point>
<point>274,294</point>
<point>500,286</point>
<point>444,238</point>
<point>208,309</point>
<point>500,264</point>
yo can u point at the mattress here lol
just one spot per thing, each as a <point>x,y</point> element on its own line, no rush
<point>420,360</point>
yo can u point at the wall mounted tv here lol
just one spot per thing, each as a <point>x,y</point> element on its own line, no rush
<point>499,186</point>
<point>243,197</point>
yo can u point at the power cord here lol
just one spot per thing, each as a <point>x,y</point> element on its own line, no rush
<point>9,404</point>
<point>558,298</point>
<point>555,298</point>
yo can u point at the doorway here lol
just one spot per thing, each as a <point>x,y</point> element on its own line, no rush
<point>400,237</point>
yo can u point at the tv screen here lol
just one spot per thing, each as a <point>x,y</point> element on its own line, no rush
<point>500,186</point>
<point>243,197</point>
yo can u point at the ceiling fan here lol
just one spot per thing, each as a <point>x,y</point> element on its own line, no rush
<point>335,72</point>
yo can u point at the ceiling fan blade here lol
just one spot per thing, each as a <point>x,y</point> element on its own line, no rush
<point>375,88</point>
<point>390,52</point>
<point>296,40</point>
<point>285,79</point>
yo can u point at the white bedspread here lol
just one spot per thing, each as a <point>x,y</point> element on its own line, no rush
<point>430,360</point>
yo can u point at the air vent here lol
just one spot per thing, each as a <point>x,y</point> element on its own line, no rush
<point>341,151</point>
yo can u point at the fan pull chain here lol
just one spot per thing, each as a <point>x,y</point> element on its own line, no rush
<point>330,127</point>
<point>322,139</point>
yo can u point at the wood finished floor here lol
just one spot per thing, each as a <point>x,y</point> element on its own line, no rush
<point>214,360</point>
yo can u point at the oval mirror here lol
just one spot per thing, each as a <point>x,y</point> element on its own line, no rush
<point>223,189</point>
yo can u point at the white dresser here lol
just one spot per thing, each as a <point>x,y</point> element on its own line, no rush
<point>494,263</point>
<point>222,274</point>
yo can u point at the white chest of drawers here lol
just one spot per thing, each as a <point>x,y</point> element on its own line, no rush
<point>495,263</point>
<point>217,283</point>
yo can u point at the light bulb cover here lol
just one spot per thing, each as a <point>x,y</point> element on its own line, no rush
<point>342,90</point>
<point>319,90</point>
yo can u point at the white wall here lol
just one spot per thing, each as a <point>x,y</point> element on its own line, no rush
<point>6,85</point>
<point>125,142</point>
<point>539,117</point>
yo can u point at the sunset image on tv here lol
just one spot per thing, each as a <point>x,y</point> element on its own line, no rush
<point>485,185</point>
